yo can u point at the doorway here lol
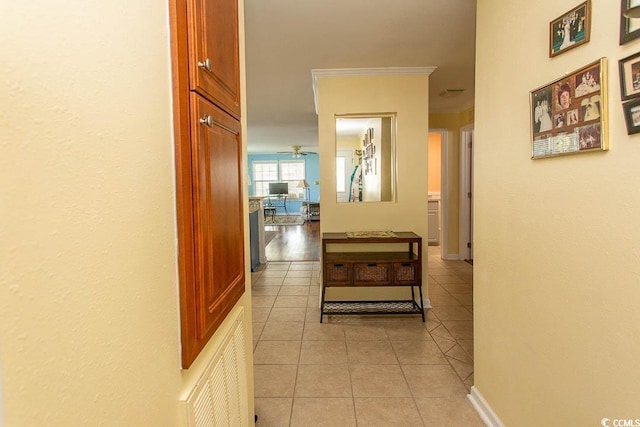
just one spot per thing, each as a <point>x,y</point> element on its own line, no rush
<point>437,186</point>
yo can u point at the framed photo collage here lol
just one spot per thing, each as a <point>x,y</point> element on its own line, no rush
<point>568,115</point>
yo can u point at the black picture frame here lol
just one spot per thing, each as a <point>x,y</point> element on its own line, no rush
<point>629,68</point>
<point>632,116</point>
<point>628,30</point>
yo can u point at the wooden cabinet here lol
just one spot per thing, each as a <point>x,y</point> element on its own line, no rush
<point>372,268</point>
<point>213,52</point>
<point>208,150</point>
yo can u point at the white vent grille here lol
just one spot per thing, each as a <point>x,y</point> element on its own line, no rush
<point>220,396</point>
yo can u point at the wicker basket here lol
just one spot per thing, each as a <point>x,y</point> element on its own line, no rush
<point>337,273</point>
<point>380,273</point>
<point>404,273</point>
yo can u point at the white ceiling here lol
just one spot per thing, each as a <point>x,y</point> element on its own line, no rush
<point>286,39</point>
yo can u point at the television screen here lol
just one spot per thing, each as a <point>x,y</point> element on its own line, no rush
<point>278,188</point>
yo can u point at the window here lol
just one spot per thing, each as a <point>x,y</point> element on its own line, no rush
<point>289,171</point>
<point>293,171</point>
<point>263,174</point>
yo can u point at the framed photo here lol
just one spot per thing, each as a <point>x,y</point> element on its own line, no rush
<point>571,29</point>
<point>629,27</point>
<point>632,116</point>
<point>569,115</point>
<point>630,76</point>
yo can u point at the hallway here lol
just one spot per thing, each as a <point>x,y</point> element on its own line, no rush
<point>362,370</point>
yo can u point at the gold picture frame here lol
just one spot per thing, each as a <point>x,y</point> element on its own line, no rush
<point>569,115</point>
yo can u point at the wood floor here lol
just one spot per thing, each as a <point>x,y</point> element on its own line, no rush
<point>293,242</point>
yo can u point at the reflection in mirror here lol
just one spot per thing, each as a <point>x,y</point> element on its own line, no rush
<point>365,158</point>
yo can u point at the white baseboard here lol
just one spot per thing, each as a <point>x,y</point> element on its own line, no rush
<point>483,409</point>
<point>451,257</point>
<point>426,303</point>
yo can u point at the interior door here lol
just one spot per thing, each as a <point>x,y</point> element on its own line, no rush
<point>471,196</point>
<point>466,194</point>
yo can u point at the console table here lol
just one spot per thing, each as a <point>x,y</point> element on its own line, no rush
<point>361,269</point>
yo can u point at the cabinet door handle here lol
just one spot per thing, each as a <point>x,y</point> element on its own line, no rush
<point>207,120</point>
<point>338,265</point>
<point>373,264</point>
<point>406,264</point>
<point>206,64</point>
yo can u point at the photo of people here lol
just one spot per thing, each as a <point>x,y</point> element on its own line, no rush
<point>630,76</point>
<point>589,136</point>
<point>635,115</point>
<point>588,82</point>
<point>569,30</point>
<point>558,120</point>
<point>542,111</point>
<point>590,108</point>
<point>572,117</point>
<point>635,73</point>
<point>562,97</point>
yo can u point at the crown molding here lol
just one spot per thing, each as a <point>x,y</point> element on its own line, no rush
<point>364,72</point>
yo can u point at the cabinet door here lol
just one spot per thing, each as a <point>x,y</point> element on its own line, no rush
<point>434,222</point>
<point>213,52</point>
<point>218,217</point>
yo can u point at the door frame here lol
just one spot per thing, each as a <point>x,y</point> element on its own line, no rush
<point>466,188</point>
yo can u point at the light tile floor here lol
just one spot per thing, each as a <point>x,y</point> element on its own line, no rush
<point>362,370</point>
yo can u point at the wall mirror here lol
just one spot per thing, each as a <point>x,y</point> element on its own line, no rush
<point>365,157</point>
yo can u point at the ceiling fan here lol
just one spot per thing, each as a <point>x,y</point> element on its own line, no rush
<point>297,151</point>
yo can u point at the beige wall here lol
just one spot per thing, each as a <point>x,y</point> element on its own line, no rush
<point>89,329</point>
<point>349,143</point>
<point>405,95</point>
<point>556,267</point>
